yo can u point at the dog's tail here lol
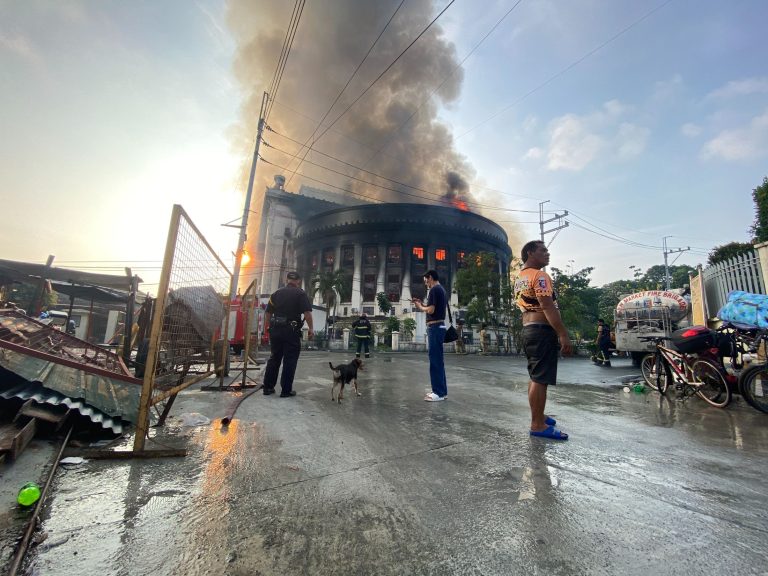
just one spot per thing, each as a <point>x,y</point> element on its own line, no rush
<point>331,365</point>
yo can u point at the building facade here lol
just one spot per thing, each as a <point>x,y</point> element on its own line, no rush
<point>379,247</point>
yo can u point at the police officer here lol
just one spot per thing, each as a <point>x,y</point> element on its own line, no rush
<point>362,327</point>
<point>284,318</point>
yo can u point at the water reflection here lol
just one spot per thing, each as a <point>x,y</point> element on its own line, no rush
<point>537,483</point>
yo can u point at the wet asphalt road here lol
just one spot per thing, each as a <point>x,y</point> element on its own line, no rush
<point>389,484</point>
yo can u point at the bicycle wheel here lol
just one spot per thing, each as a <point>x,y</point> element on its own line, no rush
<point>663,374</point>
<point>648,368</point>
<point>710,383</point>
<point>753,386</point>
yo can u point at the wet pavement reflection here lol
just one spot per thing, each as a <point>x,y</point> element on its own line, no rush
<point>389,484</point>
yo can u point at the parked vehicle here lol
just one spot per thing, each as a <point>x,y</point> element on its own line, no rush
<point>648,314</point>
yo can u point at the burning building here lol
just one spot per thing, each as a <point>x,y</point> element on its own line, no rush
<point>381,247</point>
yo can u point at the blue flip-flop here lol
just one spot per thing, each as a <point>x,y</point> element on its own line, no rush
<point>549,421</point>
<point>550,432</point>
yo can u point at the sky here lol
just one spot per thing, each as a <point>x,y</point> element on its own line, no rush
<point>642,119</point>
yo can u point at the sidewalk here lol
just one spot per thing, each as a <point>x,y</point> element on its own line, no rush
<point>389,484</point>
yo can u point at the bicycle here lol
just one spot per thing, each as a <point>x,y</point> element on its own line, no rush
<point>753,381</point>
<point>697,374</point>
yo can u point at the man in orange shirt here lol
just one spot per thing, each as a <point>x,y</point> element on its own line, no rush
<point>544,334</point>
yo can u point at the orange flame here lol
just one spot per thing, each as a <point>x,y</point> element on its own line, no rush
<point>460,204</point>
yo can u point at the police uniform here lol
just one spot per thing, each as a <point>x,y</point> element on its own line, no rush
<point>286,306</point>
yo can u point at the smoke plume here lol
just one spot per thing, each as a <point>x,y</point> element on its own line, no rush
<point>376,133</point>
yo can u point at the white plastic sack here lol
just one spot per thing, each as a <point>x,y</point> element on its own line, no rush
<point>194,419</point>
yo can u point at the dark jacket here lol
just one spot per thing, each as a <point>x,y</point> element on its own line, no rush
<point>362,328</point>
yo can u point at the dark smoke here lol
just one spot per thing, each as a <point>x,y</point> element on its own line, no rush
<point>332,38</point>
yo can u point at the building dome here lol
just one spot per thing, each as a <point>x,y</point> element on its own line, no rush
<point>388,247</point>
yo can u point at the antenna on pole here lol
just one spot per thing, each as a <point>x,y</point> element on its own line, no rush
<point>557,217</point>
<point>667,252</point>
<point>247,207</point>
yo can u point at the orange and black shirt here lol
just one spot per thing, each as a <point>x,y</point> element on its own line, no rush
<point>529,285</point>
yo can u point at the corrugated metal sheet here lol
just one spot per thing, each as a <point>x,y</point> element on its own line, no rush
<point>72,367</point>
<point>41,395</point>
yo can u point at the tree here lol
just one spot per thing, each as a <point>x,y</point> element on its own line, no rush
<point>611,293</point>
<point>728,251</point>
<point>392,324</point>
<point>477,286</point>
<point>577,300</point>
<point>759,229</point>
<point>655,278</point>
<point>330,285</point>
<point>384,304</point>
<point>408,327</point>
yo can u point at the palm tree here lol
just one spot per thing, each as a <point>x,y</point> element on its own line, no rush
<point>330,285</point>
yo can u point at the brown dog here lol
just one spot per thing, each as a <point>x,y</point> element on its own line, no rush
<point>344,374</point>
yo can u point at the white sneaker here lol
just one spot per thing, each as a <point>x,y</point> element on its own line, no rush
<point>432,397</point>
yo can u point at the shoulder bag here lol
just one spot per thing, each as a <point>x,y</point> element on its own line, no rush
<point>450,333</point>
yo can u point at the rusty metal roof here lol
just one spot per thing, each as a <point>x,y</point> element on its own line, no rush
<point>41,395</point>
<point>68,365</point>
<point>28,271</point>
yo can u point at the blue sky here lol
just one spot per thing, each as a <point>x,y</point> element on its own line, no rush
<point>113,111</point>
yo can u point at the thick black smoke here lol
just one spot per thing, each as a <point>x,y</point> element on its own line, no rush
<point>376,133</point>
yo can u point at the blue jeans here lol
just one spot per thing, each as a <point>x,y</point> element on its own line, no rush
<point>435,339</point>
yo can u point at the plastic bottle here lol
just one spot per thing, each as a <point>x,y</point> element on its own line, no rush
<point>639,388</point>
<point>29,494</point>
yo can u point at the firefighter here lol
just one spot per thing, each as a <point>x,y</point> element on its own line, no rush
<point>362,328</point>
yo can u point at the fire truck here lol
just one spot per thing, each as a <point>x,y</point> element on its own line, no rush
<point>648,313</point>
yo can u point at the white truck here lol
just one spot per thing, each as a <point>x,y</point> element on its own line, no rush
<point>648,313</point>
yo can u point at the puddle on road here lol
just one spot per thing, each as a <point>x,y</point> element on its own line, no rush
<point>151,516</point>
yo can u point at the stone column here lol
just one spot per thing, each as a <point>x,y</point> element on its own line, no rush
<point>346,338</point>
<point>395,341</point>
<point>381,276</point>
<point>405,291</point>
<point>357,279</point>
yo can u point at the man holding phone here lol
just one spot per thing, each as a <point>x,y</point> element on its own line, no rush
<point>435,306</point>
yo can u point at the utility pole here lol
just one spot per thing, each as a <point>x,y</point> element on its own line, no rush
<point>667,252</point>
<point>247,207</point>
<point>555,217</point>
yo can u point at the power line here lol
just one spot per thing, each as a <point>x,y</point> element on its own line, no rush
<point>450,74</point>
<point>371,198</point>
<point>364,92</point>
<point>435,195</point>
<point>621,238</point>
<point>368,53</point>
<point>614,238</point>
<point>298,9</point>
<point>569,67</point>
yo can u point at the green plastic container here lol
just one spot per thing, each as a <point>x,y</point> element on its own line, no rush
<point>29,494</point>
<point>639,388</point>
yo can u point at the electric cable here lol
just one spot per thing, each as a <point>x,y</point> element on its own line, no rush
<point>450,74</point>
<point>349,80</point>
<point>433,195</point>
<point>567,68</point>
<point>293,26</point>
<point>378,200</point>
<point>372,84</point>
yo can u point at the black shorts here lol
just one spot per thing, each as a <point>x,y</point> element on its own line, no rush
<point>542,348</point>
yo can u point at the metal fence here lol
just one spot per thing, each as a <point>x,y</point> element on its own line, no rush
<point>739,273</point>
<point>189,317</point>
